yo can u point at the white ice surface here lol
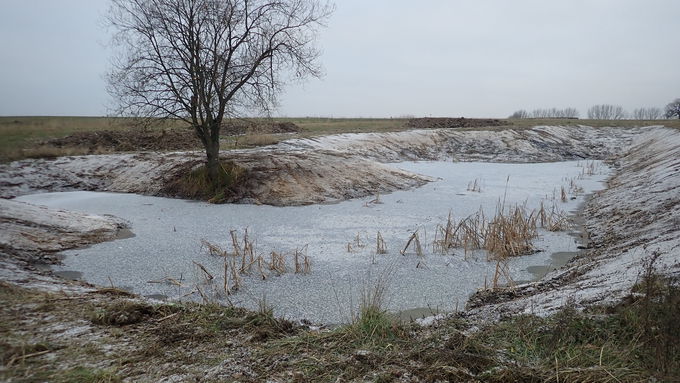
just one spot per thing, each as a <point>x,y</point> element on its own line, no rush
<point>169,232</point>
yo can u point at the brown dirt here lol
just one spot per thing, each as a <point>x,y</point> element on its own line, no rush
<point>159,140</point>
<point>250,127</point>
<point>132,140</point>
<point>452,123</point>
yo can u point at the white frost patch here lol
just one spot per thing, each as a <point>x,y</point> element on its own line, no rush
<point>169,232</point>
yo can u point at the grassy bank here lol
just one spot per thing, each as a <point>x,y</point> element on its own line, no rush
<point>108,336</point>
<point>20,137</point>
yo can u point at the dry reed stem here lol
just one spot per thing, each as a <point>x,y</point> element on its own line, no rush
<point>235,244</point>
<point>213,249</point>
<point>235,275</point>
<point>307,265</point>
<point>260,268</point>
<point>380,246</point>
<point>414,238</point>
<point>278,263</point>
<point>474,186</point>
<point>200,292</point>
<point>502,271</point>
<point>209,276</point>
<point>169,280</point>
<point>226,277</point>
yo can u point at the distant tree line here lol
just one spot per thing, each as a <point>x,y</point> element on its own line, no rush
<point>547,113</point>
<point>605,112</point>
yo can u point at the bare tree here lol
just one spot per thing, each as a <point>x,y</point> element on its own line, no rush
<point>651,113</point>
<point>201,61</point>
<point>571,113</point>
<point>673,109</point>
<point>606,112</point>
<point>520,114</point>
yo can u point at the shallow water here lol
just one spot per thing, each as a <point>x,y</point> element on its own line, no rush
<point>168,235</point>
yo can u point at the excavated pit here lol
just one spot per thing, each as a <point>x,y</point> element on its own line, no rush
<point>630,221</point>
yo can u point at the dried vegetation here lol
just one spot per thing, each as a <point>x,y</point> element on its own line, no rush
<point>243,260</point>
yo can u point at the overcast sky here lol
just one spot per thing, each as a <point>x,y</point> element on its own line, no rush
<point>390,58</point>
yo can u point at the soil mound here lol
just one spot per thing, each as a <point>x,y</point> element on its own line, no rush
<point>130,140</point>
<point>452,123</point>
<point>250,127</point>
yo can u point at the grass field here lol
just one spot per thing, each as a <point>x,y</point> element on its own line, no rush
<point>20,137</point>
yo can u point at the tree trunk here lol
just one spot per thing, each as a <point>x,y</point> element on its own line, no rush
<point>212,150</point>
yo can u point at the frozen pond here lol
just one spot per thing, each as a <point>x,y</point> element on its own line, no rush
<point>168,234</point>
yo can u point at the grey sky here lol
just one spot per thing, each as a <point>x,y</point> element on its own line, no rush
<point>391,57</point>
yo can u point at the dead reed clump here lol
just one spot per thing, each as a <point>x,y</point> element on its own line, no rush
<point>278,263</point>
<point>243,261</point>
<point>588,168</point>
<point>303,265</point>
<point>563,194</point>
<point>575,188</point>
<point>467,234</point>
<point>510,233</point>
<point>553,219</point>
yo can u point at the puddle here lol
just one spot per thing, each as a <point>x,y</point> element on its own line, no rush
<point>557,260</point>
<point>161,258</point>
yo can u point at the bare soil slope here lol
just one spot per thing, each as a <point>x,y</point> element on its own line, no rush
<point>304,171</point>
<point>633,227</point>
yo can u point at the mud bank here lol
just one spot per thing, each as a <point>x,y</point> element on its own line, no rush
<point>36,233</point>
<point>32,237</point>
<point>633,223</point>
<point>305,171</point>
